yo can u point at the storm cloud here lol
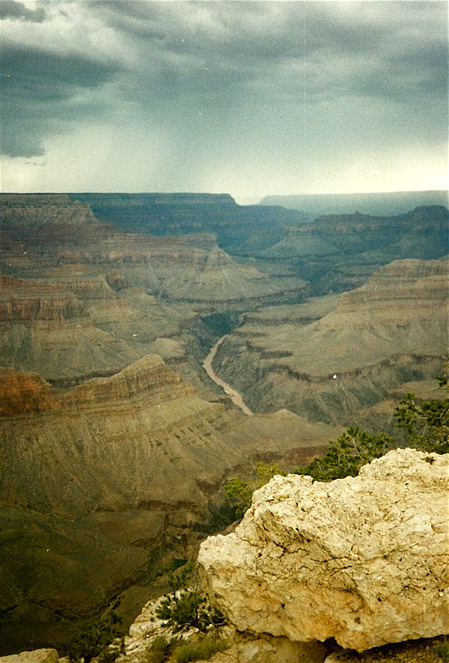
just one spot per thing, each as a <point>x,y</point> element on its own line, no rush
<point>247,97</point>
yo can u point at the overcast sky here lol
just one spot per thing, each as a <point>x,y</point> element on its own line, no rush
<point>248,98</point>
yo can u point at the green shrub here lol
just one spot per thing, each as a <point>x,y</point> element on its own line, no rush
<point>202,650</point>
<point>345,456</point>
<point>239,492</point>
<point>181,577</point>
<point>442,650</point>
<point>108,655</point>
<point>426,423</point>
<point>159,650</point>
<point>188,609</point>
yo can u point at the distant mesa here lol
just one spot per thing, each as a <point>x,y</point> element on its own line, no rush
<point>384,204</point>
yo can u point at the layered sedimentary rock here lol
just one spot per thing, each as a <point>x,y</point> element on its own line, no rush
<point>106,442</point>
<point>56,230</point>
<point>391,330</point>
<point>22,393</point>
<point>361,233</point>
<point>339,252</point>
<point>99,482</point>
<point>362,560</point>
<point>186,214</point>
<point>117,441</point>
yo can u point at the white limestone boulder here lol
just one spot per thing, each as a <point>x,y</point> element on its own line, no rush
<point>363,560</point>
<point>35,656</point>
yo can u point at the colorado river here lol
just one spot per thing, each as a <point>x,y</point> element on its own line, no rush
<point>232,393</point>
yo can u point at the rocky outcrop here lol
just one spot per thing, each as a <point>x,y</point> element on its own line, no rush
<point>146,378</point>
<point>59,231</point>
<point>22,300</point>
<point>48,325</point>
<point>36,656</point>
<point>362,560</point>
<point>107,441</point>
<point>397,237</point>
<point>22,393</point>
<point>187,214</point>
<point>338,252</point>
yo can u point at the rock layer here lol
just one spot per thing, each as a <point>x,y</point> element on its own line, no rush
<point>363,560</point>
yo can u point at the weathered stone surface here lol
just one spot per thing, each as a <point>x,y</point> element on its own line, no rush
<point>267,649</point>
<point>363,560</point>
<point>243,647</point>
<point>36,656</point>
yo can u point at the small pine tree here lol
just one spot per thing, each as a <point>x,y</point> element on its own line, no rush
<point>346,455</point>
<point>179,579</point>
<point>426,422</point>
<point>94,638</point>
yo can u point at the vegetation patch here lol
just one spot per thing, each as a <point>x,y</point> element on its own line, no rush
<point>442,650</point>
<point>188,609</point>
<point>159,649</point>
<point>94,638</point>
<point>201,650</point>
<point>239,492</point>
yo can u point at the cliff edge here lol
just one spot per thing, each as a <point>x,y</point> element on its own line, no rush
<point>362,560</point>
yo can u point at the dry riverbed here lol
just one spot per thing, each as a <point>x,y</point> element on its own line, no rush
<point>232,393</point>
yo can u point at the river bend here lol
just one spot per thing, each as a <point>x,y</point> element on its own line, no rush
<point>234,395</point>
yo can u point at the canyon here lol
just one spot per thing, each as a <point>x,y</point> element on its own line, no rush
<point>386,333</point>
<point>115,441</point>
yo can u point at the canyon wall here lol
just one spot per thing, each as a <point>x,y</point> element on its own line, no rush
<point>103,484</point>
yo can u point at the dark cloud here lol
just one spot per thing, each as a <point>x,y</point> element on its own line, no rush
<point>211,77</point>
<point>43,92</point>
<point>17,10</point>
<point>287,48</point>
